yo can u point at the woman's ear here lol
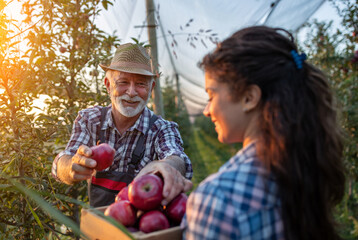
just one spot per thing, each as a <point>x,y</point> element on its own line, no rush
<point>252,97</point>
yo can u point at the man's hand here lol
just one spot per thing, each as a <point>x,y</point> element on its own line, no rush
<point>172,170</point>
<point>72,169</point>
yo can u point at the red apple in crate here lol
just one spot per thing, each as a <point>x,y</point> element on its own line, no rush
<point>122,195</point>
<point>145,192</point>
<point>103,154</point>
<point>123,212</point>
<point>153,221</point>
<point>175,210</point>
<point>132,229</point>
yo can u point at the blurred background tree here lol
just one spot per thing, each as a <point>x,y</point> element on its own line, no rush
<point>336,53</point>
<point>64,49</point>
<point>175,110</point>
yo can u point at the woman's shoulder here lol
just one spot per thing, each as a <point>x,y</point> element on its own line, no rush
<point>249,172</point>
<point>246,186</point>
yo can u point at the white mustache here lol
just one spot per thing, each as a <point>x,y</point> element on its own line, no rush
<point>128,98</point>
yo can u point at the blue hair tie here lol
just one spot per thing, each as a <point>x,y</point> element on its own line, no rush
<point>298,58</point>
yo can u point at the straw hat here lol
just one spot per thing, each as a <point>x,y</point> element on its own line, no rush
<point>130,58</point>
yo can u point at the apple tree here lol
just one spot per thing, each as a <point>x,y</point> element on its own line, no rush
<point>336,53</point>
<point>54,52</point>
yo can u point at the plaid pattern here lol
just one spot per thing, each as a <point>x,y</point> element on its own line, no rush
<point>238,202</point>
<point>162,140</point>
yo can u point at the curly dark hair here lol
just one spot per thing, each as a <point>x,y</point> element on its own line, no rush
<point>301,141</point>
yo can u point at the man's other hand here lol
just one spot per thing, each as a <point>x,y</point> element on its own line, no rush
<point>174,181</point>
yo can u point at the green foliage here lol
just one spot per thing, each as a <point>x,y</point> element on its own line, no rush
<point>64,48</point>
<point>208,154</point>
<point>333,52</point>
<point>175,111</point>
<point>206,125</point>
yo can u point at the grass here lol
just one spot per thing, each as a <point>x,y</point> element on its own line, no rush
<point>207,155</point>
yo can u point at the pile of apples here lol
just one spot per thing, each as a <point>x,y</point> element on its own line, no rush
<point>138,206</point>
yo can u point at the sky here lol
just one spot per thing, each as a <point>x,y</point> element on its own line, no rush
<point>325,13</point>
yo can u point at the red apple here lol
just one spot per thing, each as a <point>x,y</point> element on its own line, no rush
<point>123,212</point>
<point>153,221</point>
<point>63,49</point>
<point>68,22</point>
<point>145,192</point>
<point>175,210</point>
<point>122,195</point>
<point>132,229</point>
<point>103,154</point>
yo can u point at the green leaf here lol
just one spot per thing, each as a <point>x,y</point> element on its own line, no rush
<point>54,213</point>
<point>14,43</point>
<point>5,186</point>
<point>114,222</point>
<point>84,205</point>
<point>35,215</point>
<point>8,165</point>
<point>39,61</point>
<point>355,223</point>
<point>105,5</point>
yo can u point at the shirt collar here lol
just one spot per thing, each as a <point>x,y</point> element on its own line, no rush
<point>141,125</point>
<point>142,122</point>
<point>243,154</point>
<point>108,120</point>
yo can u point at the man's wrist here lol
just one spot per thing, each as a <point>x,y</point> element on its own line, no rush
<point>176,162</point>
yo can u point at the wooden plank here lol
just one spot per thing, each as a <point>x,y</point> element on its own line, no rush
<point>96,228</point>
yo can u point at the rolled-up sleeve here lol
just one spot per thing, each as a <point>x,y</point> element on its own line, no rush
<point>169,143</point>
<point>80,135</point>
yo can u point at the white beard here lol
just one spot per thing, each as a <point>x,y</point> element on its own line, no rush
<point>128,111</point>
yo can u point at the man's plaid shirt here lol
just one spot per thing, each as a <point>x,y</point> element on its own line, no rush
<point>163,139</point>
<point>239,202</point>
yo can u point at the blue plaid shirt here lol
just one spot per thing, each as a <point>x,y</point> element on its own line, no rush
<point>238,202</point>
<point>163,139</point>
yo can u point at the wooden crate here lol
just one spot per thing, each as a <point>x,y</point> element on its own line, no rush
<point>97,228</point>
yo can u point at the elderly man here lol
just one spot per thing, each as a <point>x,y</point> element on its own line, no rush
<point>144,143</point>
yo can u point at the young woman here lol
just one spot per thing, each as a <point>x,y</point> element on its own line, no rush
<point>289,175</point>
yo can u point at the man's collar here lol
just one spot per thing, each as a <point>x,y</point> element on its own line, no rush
<point>141,124</point>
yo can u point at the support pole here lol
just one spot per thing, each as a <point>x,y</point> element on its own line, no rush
<point>152,36</point>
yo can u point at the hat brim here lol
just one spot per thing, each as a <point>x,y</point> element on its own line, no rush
<point>128,70</point>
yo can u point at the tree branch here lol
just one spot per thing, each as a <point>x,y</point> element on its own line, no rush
<point>9,38</point>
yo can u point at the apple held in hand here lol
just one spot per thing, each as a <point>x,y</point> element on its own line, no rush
<point>145,192</point>
<point>122,195</point>
<point>153,221</point>
<point>123,212</point>
<point>175,210</point>
<point>103,154</point>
